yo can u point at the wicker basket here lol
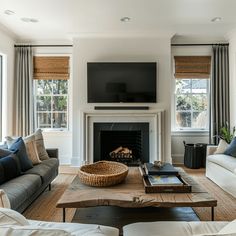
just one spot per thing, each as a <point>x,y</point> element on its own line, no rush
<point>103,173</point>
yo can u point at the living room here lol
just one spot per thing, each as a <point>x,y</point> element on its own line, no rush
<point>120,33</point>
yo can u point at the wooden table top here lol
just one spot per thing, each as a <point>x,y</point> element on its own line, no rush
<point>131,194</point>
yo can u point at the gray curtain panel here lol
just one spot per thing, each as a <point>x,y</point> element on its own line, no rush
<point>23,91</point>
<point>219,90</point>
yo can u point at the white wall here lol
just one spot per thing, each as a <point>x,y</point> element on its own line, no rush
<point>59,139</point>
<point>7,50</point>
<point>177,138</point>
<point>120,49</point>
<point>232,67</point>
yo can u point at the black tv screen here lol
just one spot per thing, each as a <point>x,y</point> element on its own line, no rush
<point>118,82</point>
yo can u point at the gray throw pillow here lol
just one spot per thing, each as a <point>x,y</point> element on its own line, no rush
<point>43,155</point>
<point>231,149</point>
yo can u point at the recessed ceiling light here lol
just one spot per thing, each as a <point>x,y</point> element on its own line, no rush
<point>9,12</point>
<point>28,20</point>
<point>125,19</point>
<point>216,19</point>
<point>33,20</point>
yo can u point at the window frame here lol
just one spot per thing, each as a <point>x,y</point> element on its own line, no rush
<point>190,129</point>
<point>52,111</point>
<point>52,53</point>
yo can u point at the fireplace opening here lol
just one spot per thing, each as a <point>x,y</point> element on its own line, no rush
<point>123,142</point>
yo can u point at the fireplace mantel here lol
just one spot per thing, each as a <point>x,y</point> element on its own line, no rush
<point>155,118</point>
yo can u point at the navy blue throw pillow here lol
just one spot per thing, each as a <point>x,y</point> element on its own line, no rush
<point>4,152</point>
<point>19,147</point>
<point>9,168</point>
<point>231,149</point>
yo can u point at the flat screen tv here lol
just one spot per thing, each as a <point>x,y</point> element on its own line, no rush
<point>121,82</point>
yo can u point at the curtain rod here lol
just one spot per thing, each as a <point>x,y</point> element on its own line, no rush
<point>198,44</point>
<point>34,46</point>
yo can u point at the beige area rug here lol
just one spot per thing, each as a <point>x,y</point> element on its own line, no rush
<point>44,208</point>
<point>226,204</point>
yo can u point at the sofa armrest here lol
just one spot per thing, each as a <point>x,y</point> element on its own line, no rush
<point>211,149</point>
<point>52,152</point>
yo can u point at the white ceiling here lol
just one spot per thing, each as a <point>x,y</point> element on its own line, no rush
<point>65,19</point>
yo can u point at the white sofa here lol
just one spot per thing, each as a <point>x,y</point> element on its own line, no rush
<point>221,169</point>
<point>13,223</point>
<point>177,228</point>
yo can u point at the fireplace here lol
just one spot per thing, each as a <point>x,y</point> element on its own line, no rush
<point>92,122</point>
<point>126,142</point>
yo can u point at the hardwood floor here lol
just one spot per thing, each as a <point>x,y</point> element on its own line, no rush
<point>44,207</point>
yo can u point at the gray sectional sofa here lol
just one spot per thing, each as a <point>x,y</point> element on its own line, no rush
<point>24,189</point>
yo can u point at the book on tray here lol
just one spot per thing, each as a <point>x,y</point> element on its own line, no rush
<point>166,169</point>
<point>163,180</point>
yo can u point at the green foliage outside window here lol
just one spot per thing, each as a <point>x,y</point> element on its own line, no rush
<point>51,103</point>
<point>191,103</point>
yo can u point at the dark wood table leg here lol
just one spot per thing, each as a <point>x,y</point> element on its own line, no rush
<point>212,213</point>
<point>64,214</point>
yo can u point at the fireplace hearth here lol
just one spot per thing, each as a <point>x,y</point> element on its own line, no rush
<point>123,142</point>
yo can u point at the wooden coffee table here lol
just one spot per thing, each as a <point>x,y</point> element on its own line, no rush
<point>131,194</point>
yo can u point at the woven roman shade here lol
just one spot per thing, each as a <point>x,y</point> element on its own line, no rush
<point>51,68</point>
<point>192,67</point>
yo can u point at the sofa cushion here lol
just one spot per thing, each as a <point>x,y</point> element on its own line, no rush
<point>21,188</point>
<point>10,167</point>
<point>166,228</point>
<point>4,200</point>
<point>231,149</point>
<point>79,229</point>
<point>12,230</point>
<point>51,162</point>
<point>44,171</point>
<point>31,149</point>
<point>222,146</point>
<point>19,146</point>
<point>228,162</point>
<point>10,217</point>
<point>229,228</point>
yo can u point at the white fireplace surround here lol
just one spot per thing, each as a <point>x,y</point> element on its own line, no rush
<point>153,117</point>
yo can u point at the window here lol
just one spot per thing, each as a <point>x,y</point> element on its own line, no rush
<point>191,104</point>
<point>191,99</point>
<point>1,61</point>
<point>51,104</point>
<point>51,76</point>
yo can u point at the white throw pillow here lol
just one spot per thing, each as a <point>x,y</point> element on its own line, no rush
<point>229,228</point>
<point>12,230</point>
<point>221,147</point>
<point>11,217</point>
<point>4,200</point>
<point>31,149</point>
<point>10,140</point>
